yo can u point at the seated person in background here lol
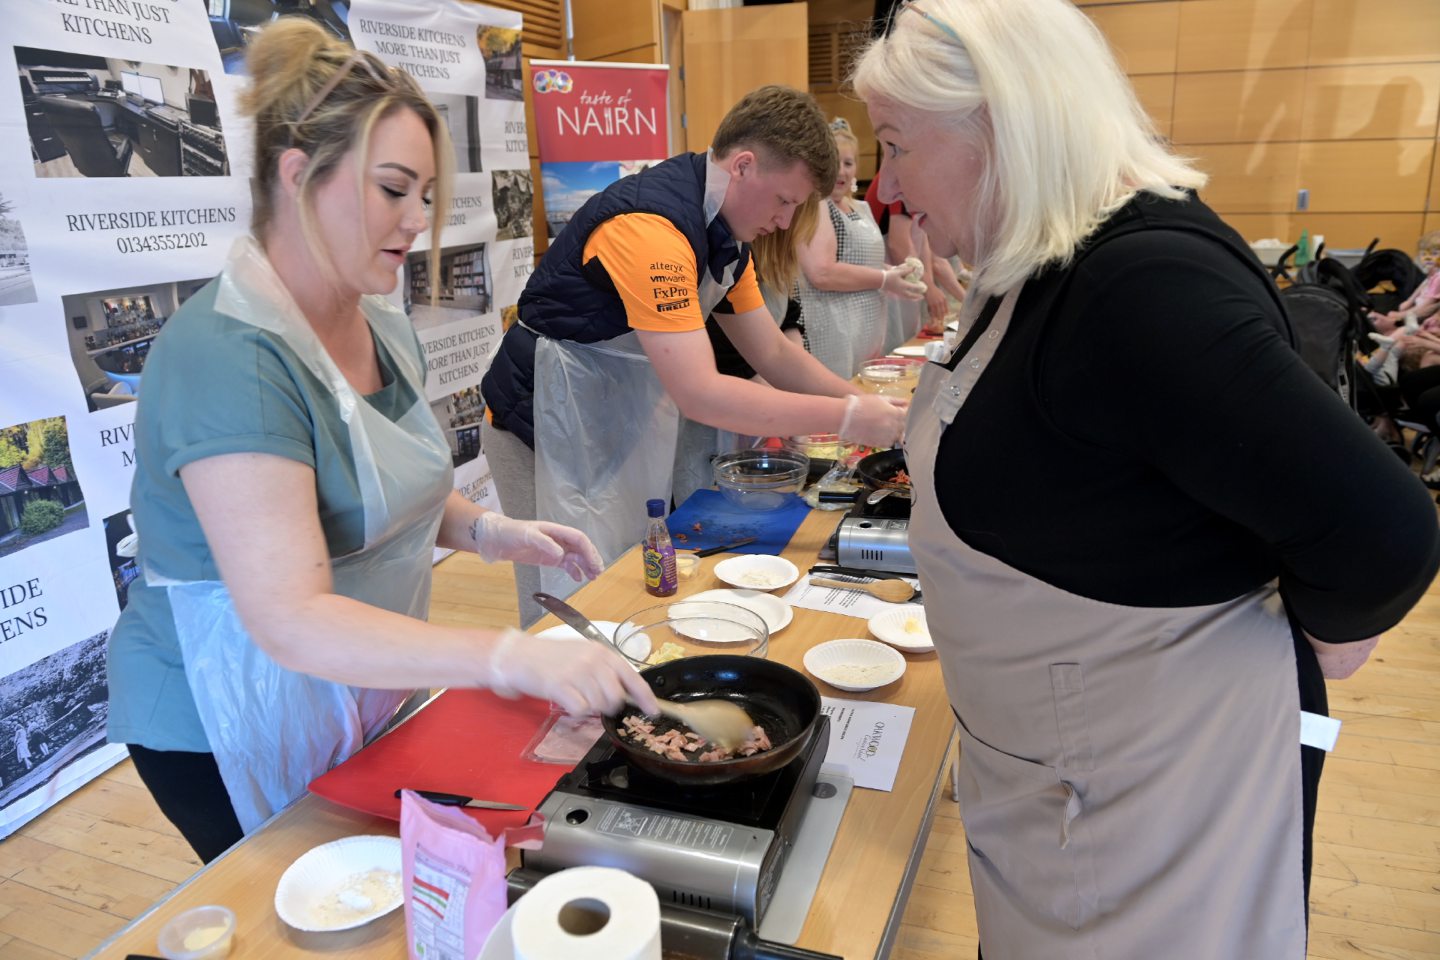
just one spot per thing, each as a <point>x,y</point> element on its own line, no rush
<point>1424,301</point>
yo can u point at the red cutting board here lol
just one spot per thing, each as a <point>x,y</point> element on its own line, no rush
<point>465,741</point>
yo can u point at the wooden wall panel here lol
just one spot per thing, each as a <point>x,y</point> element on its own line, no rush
<point>1377,102</point>
<point>1256,226</point>
<point>1157,95</point>
<point>1350,231</point>
<point>1435,179</point>
<point>1243,34</point>
<point>1366,176</point>
<point>1250,177</point>
<point>842,105</point>
<point>841,11</point>
<point>1374,31</point>
<point>731,52</point>
<point>650,53</point>
<point>1432,222</point>
<point>1238,106</point>
<point>1142,35</point>
<point>604,27</point>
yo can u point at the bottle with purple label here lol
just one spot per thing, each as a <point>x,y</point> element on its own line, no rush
<point>660,578</point>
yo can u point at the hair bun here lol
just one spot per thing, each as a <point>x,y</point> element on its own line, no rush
<point>840,123</point>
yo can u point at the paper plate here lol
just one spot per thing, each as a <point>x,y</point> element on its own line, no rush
<point>757,571</point>
<point>855,665</point>
<point>909,350</point>
<point>776,613</point>
<point>322,890</point>
<point>904,628</point>
<point>637,647</point>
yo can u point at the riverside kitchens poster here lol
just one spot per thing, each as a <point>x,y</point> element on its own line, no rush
<point>595,123</point>
<point>124,170</point>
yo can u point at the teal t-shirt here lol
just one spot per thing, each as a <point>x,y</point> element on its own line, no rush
<point>214,385</point>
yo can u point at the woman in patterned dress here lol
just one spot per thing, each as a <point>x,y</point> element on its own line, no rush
<point>843,274</point>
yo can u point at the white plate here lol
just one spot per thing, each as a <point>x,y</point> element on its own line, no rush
<point>891,626</point>
<point>757,571</point>
<point>776,613</point>
<point>500,945</point>
<point>909,350</point>
<point>322,871</point>
<point>837,662</point>
<point>637,647</point>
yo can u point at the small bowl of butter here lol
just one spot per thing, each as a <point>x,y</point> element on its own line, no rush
<point>201,933</point>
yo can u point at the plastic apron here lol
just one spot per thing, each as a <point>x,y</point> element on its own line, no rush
<point>1129,777</point>
<point>606,430</point>
<point>274,730</point>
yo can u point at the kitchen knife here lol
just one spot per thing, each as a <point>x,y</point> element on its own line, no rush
<point>460,800</point>
<point>724,548</point>
<point>572,618</point>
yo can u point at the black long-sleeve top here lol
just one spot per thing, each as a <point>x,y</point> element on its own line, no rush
<point>1147,436</point>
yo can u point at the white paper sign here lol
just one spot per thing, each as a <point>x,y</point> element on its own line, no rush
<point>867,739</point>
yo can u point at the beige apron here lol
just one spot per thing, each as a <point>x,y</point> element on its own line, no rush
<point>1129,777</point>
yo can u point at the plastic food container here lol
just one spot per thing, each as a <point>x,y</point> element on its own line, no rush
<point>686,565</point>
<point>890,376</point>
<point>823,449</point>
<point>201,933</point>
<point>761,479</point>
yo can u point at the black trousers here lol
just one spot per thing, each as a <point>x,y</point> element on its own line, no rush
<point>188,789</point>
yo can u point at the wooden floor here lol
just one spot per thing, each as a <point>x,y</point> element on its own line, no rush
<point>83,869</point>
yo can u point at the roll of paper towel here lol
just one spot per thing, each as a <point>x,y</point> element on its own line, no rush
<point>588,912</point>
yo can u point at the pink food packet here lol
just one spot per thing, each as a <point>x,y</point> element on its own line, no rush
<point>454,878</point>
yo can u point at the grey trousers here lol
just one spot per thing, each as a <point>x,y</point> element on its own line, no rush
<point>512,465</point>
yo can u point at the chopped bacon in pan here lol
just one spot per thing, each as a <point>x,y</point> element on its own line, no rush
<point>674,744</point>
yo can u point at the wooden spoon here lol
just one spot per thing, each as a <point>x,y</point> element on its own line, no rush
<point>893,591</point>
<point>723,722</point>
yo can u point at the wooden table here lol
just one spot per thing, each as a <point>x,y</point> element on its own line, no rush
<point>862,893</point>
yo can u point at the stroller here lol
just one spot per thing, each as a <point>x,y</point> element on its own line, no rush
<point>1392,266</point>
<point>1328,312</point>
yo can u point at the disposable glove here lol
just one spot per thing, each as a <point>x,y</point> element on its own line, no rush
<point>580,677</point>
<point>873,421</point>
<point>903,280</point>
<point>545,544</point>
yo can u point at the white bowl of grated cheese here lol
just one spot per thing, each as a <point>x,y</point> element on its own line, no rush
<point>342,884</point>
<point>855,665</point>
<point>757,571</point>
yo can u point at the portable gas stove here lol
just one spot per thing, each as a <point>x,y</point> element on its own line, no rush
<point>719,848</point>
<point>873,536</point>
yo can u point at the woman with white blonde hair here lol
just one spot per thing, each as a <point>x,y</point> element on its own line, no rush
<point>1128,650</point>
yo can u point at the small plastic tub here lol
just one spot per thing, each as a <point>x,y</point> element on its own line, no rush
<point>201,933</point>
<point>686,565</point>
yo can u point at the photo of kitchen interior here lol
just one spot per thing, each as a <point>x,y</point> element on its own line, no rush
<point>110,334</point>
<point>90,116</point>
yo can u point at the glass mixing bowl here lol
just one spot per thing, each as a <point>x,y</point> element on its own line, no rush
<point>694,628</point>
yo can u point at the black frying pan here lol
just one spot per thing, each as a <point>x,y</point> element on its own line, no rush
<point>780,699</point>
<point>876,470</point>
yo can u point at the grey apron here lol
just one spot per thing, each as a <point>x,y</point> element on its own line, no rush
<point>1129,777</point>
